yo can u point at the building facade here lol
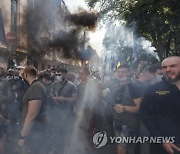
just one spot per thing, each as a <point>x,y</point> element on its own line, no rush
<point>34,23</point>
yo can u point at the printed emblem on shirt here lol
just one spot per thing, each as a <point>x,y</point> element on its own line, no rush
<point>162,92</point>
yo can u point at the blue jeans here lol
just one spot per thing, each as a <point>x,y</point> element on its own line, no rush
<point>121,130</point>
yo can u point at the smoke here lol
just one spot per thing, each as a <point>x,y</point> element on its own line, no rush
<point>41,19</point>
<point>85,19</point>
<point>23,30</point>
<point>81,138</point>
<point>51,26</point>
<point>68,41</point>
<point>72,41</point>
<point>122,45</point>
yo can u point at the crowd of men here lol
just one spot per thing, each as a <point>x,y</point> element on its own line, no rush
<point>58,112</point>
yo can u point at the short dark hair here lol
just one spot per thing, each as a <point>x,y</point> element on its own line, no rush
<point>62,70</point>
<point>124,66</point>
<point>154,67</point>
<point>146,69</point>
<point>31,70</point>
<point>47,75</point>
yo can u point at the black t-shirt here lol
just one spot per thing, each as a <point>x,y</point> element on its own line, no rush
<point>36,91</point>
<point>141,87</point>
<point>118,90</point>
<point>124,94</point>
<point>160,110</point>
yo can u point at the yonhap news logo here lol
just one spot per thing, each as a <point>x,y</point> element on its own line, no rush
<point>100,139</point>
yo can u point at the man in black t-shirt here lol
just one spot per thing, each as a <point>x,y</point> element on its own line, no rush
<point>33,137</point>
<point>125,103</point>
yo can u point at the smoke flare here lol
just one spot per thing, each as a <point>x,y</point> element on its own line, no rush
<point>85,19</point>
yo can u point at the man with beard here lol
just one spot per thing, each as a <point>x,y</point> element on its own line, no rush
<point>160,109</point>
<point>33,137</point>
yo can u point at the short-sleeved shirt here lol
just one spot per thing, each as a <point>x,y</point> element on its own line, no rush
<point>36,91</point>
<point>133,90</point>
<point>125,94</point>
<point>48,87</point>
<point>160,110</point>
<point>65,89</point>
<point>141,87</point>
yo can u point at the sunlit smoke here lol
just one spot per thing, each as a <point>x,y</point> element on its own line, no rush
<point>79,140</point>
<point>122,45</point>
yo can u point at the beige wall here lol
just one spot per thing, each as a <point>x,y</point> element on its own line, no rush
<point>5,6</point>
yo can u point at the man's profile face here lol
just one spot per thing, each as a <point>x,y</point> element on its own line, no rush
<point>148,76</point>
<point>171,69</point>
<point>159,72</point>
<point>24,76</point>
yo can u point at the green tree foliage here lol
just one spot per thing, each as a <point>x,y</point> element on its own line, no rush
<point>156,20</point>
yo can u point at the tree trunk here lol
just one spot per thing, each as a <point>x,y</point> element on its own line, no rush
<point>161,51</point>
<point>157,44</point>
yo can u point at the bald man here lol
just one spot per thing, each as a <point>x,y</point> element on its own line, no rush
<point>160,109</point>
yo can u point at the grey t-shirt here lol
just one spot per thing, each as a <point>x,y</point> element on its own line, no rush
<point>125,95</point>
<point>36,91</point>
<point>65,89</point>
